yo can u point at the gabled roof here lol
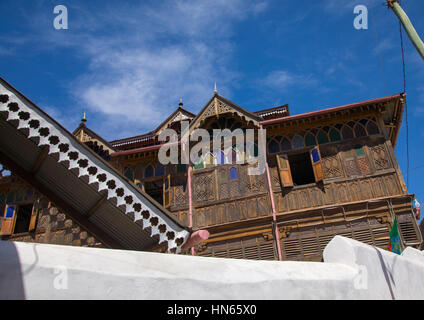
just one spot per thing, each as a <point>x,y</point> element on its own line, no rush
<point>220,105</point>
<point>83,127</point>
<point>96,196</point>
<point>152,134</point>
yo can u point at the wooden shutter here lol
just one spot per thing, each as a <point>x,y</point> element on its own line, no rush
<point>317,164</point>
<point>35,209</point>
<point>408,229</point>
<point>284,170</point>
<point>8,220</point>
<point>167,191</point>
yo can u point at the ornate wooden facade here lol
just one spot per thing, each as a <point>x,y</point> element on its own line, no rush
<point>329,172</point>
<point>332,172</point>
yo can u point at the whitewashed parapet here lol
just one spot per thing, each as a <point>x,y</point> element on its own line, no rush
<point>381,273</point>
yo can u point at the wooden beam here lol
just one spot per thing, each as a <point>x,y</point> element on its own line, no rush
<point>41,158</point>
<point>96,206</point>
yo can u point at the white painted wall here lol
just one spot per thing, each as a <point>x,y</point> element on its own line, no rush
<point>40,271</point>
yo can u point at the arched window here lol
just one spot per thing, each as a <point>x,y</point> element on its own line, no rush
<point>347,132</point>
<point>160,170</point>
<point>209,160</point>
<point>310,140</point>
<point>273,147</point>
<point>233,173</point>
<point>129,173</point>
<point>298,142</point>
<point>251,150</point>
<point>231,156</point>
<point>360,131</point>
<point>322,137</point>
<point>148,172</point>
<point>220,159</point>
<point>334,135</point>
<point>285,145</point>
<point>372,128</point>
<point>199,165</point>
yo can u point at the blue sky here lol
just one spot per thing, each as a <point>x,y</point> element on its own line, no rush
<point>127,63</point>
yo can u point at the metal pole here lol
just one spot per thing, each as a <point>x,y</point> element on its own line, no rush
<point>409,28</point>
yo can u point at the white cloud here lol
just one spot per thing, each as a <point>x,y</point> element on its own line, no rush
<point>283,80</point>
<point>179,49</point>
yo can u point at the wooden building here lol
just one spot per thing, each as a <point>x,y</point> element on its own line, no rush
<point>328,172</point>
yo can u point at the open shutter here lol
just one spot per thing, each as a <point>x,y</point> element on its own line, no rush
<point>9,220</point>
<point>284,170</point>
<point>317,164</point>
<point>34,214</point>
<point>139,184</point>
<point>167,191</point>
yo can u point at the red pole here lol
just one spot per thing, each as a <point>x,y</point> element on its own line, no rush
<point>274,213</point>
<point>190,205</point>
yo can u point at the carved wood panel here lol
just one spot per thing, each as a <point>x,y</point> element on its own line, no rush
<point>332,167</point>
<point>380,157</point>
<point>338,192</point>
<point>204,187</point>
<point>179,191</point>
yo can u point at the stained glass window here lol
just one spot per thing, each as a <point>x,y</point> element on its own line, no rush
<point>298,142</point>
<point>372,128</point>
<point>160,170</point>
<point>363,122</point>
<point>322,138</point>
<point>273,147</point>
<point>334,135</point>
<point>310,140</point>
<point>360,131</point>
<point>347,133</point>
<point>233,174</point>
<point>199,165</point>
<point>209,160</point>
<point>148,172</point>
<point>251,150</point>
<point>285,145</point>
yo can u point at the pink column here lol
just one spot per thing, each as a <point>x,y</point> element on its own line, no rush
<point>274,213</point>
<point>190,205</point>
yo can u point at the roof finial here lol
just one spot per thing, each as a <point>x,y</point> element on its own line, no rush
<point>214,89</point>
<point>83,118</point>
<point>181,102</point>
